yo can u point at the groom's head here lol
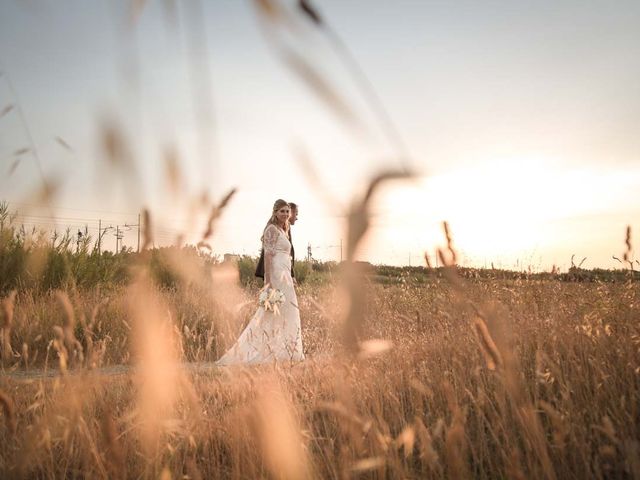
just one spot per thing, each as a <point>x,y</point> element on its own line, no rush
<point>294,213</point>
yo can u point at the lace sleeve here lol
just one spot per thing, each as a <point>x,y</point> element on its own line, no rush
<point>269,240</point>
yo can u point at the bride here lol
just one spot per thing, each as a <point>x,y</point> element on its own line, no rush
<point>272,334</point>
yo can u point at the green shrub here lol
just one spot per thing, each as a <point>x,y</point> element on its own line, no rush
<point>247,269</point>
<point>301,270</point>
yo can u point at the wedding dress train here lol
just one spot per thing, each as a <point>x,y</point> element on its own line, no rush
<point>272,336</point>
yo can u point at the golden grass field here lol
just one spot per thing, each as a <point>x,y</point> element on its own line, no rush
<point>459,378</point>
<point>482,379</point>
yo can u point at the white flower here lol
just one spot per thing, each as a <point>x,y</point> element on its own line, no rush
<point>271,299</point>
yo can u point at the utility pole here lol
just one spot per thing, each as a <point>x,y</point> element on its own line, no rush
<point>101,232</point>
<point>119,236</point>
<point>309,252</point>
<point>137,225</point>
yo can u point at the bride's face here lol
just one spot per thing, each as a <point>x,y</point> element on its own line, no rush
<point>283,215</point>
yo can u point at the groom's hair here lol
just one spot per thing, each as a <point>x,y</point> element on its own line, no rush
<point>293,206</point>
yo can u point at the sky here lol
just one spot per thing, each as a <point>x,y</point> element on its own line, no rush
<point>519,121</point>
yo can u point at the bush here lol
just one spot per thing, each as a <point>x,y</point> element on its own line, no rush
<point>301,270</point>
<point>247,269</point>
<point>33,260</point>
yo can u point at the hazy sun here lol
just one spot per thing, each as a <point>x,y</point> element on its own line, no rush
<point>501,210</point>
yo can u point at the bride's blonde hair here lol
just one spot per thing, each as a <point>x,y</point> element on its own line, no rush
<point>279,203</point>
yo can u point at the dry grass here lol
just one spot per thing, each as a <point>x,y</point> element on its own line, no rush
<point>448,379</point>
<point>558,397</point>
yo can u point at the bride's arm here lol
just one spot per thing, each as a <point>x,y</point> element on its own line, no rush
<point>269,240</point>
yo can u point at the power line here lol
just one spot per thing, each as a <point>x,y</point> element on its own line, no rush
<point>38,218</point>
<point>325,247</point>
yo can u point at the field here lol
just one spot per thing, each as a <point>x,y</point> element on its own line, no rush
<point>514,121</point>
<point>418,373</point>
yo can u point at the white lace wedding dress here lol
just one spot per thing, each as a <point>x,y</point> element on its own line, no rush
<point>272,336</point>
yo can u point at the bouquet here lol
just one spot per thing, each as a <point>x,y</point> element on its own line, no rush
<point>271,299</point>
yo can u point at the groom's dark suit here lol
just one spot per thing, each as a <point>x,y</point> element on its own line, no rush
<point>260,267</point>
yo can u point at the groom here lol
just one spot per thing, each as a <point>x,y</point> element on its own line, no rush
<point>293,216</point>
